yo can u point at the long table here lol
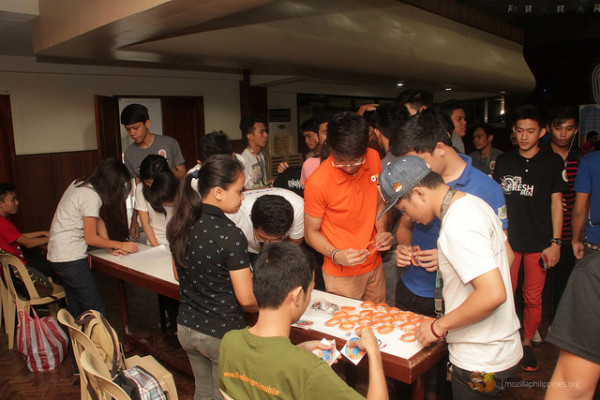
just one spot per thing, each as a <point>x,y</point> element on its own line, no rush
<point>153,273</point>
<point>156,274</point>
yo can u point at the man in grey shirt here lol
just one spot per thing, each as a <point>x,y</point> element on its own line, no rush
<point>136,120</point>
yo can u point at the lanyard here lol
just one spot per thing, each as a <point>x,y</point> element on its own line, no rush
<point>439,282</point>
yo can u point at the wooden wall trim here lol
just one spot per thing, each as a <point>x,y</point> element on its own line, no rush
<point>41,182</point>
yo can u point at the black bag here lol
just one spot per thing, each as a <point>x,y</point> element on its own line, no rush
<point>40,281</point>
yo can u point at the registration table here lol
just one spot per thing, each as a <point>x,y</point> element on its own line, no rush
<point>403,361</point>
<point>152,269</point>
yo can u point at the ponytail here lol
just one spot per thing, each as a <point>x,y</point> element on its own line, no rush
<point>188,207</point>
<point>218,171</point>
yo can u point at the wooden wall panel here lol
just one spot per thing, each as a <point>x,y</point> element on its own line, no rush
<point>107,126</point>
<point>183,119</point>
<point>41,181</point>
<point>7,145</point>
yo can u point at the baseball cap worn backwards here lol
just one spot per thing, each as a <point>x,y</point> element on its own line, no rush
<point>399,176</point>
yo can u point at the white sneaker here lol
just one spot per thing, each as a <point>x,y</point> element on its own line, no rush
<point>537,338</point>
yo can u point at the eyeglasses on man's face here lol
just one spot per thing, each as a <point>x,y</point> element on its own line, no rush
<point>347,163</point>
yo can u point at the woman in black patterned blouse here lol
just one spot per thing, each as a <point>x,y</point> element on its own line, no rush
<point>212,264</point>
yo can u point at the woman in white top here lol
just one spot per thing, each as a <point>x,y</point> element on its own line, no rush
<point>154,202</point>
<point>77,225</point>
<point>154,198</point>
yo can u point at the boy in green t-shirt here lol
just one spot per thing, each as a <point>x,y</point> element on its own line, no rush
<point>261,362</point>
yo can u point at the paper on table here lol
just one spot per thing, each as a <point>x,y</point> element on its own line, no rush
<point>391,342</point>
<point>150,253</point>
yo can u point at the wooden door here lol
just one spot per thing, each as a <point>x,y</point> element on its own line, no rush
<point>183,119</point>
<point>109,145</point>
<point>7,143</point>
<point>107,127</point>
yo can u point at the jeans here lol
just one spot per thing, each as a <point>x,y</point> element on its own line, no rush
<point>203,352</point>
<point>479,385</point>
<point>80,286</point>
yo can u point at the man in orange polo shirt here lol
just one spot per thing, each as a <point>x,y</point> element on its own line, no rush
<point>341,203</point>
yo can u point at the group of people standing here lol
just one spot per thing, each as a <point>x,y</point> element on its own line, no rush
<point>415,223</point>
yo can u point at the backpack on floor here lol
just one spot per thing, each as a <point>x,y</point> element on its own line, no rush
<point>104,337</point>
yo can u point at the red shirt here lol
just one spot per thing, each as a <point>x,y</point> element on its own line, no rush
<point>8,238</point>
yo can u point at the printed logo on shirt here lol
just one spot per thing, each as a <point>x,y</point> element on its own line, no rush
<point>502,212</point>
<point>511,184</point>
<point>374,178</point>
<point>564,175</point>
<point>245,379</point>
<point>162,153</point>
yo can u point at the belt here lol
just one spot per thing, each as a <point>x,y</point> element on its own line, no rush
<point>592,246</point>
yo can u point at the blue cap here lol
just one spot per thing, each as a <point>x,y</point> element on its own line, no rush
<point>399,176</point>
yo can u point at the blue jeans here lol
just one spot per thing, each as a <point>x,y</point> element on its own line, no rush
<point>80,286</point>
<point>203,352</point>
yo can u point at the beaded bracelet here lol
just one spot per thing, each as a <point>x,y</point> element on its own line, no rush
<point>333,253</point>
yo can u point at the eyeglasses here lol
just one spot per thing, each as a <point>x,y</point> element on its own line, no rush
<point>354,164</point>
<point>261,240</point>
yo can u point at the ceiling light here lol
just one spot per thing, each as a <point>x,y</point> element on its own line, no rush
<point>448,89</point>
<point>399,84</point>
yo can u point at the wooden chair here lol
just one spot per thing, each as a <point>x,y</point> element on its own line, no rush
<point>104,387</point>
<point>3,299</point>
<point>15,303</point>
<point>81,342</point>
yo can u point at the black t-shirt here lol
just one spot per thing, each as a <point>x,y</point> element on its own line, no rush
<point>290,179</point>
<point>577,322</point>
<point>528,185</point>
<point>215,247</point>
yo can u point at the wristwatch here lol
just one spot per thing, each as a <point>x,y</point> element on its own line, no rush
<point>558,241</point>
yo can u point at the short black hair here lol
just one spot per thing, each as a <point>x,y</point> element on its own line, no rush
<point>280,268</point>
<point>273,214</point>
<point>388,118</point>
<point>6,188</point>
<point>486,128</point>
<point>309,125</point>
<point>213,143</point>
<point>449,106</point>
<point>348,134</point>
<point>420,133</point>
<point>591,134</point>
<point>528,111</point>
<point>561,114</point>
<point>247,126</point>
<point>134,113</point>
<point>446,119</point>
<point>417,98</point>
<point>247,123</point>
<point>321,119</point>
